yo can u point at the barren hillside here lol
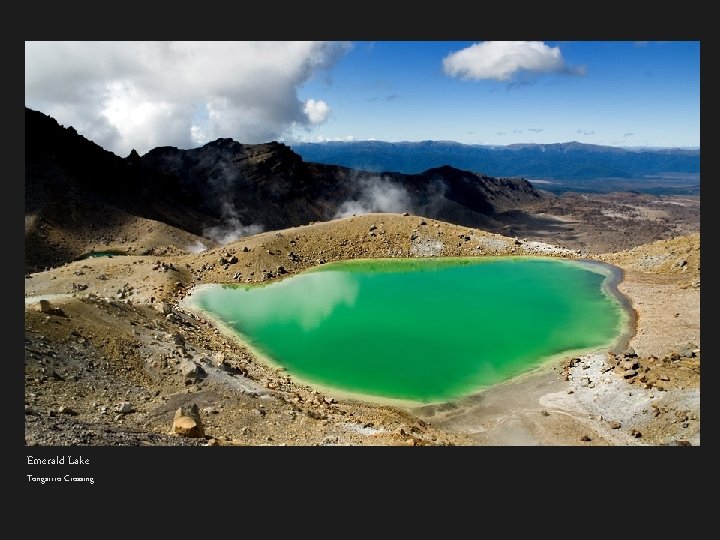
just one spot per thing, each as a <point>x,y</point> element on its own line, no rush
<point>116,352</point>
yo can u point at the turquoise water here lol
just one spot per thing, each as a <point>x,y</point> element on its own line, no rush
<point>420,329</point>
<point>95,254</point>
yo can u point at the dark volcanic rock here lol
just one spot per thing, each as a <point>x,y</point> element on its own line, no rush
<point>271,185</point>
<point>73,183</point>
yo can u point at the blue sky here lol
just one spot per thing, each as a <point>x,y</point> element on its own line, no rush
<point>139,95</point>
<point>627,94</point>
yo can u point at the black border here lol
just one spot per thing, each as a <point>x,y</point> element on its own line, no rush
<point>316,477</point>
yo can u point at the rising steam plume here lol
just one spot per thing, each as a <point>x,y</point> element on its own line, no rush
<point>231,229</point>
<point>376,194</point>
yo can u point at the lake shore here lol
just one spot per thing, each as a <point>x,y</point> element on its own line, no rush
<point>211,301</point>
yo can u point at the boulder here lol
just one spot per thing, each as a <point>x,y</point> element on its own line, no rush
<point>629,364</point>
<point>125,408</point>
<point>187,422</point>
<point>46,307</point>
<point>164,308</point>
<point>191,370</point>
<point>629,352</point>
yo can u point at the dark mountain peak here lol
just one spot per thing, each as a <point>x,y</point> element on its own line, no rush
<point>133,158</point>
<point>37,119</point>
<point>223,143</point>
<point>44,135</point>
<point>272,146</point>
<point>224,154</point>
<point>448,171</point>
<point>227,143</point>
<point>442,169</point>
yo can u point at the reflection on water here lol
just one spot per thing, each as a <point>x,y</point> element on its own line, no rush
<point>307,300</point>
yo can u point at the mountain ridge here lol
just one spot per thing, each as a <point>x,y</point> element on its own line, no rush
<point>570,161</point>
<point>224,190</point>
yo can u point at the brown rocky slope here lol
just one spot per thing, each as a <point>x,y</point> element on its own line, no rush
<point>116,351</point>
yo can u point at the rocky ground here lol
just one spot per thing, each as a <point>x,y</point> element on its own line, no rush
<point>605,222</point>
<point>114,352</point>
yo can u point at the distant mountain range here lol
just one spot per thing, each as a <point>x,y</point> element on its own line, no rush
<point>570,164</point>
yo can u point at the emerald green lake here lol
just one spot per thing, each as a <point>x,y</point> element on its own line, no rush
<point>420,329</point>
<point>96,254</point>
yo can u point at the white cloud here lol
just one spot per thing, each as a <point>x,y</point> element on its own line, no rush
<point>198,135</point>
<point>501,60</point>
<point>316,111</point>
<point>126,95</point>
